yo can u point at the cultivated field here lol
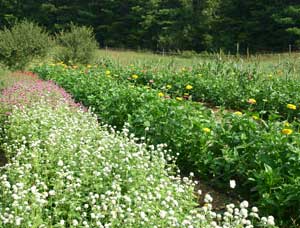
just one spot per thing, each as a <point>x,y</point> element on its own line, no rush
<point>152,120</point>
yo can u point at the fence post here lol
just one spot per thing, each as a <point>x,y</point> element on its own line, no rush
<point>163,52</point>
<point>248,53</point>
<point>290,49</point>
<point>237,49</point>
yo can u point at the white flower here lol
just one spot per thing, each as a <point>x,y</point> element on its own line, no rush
<point>18,221</point>
<point>62,222</point>
<point>271,221</point>
<point>74,222</point>
<point>51,192</point>
<point>208,198</point>
<point>254,209</point>
<point>232,183</point>
<point>244,204</point>
<point>162,214</point>
<point>244,212</point>
<point>60,163</point>
<point>143,215</point>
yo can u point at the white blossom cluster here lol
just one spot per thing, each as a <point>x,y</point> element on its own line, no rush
<point>65,170</point>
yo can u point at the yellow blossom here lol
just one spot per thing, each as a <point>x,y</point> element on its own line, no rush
<point>238,113</point>
<point>134,76</point>
<point>206,130</point>
<point>287,131</point>
<point>160,94</point>
<point>291,106</point>
<point>179,98</point>
<point>255,117</point>
<point>107,72</point>
<point>88,66</point>
<point>168,86</point>
<point>252,101</point>
<point>189,87</point>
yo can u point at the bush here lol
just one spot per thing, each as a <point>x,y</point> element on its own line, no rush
<point>76,46</point>
<point>21,43</point>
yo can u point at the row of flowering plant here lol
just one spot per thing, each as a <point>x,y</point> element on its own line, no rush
<point>217,83</point>
<point>65,170</point>
<point>262,156</point>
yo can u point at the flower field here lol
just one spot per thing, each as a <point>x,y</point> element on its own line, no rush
<point>257,144</point>
<point>224,84</point>
<point>66,170</point>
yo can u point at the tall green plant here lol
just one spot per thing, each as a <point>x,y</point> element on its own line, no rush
<point>21,43</point>
<point>77,45</point>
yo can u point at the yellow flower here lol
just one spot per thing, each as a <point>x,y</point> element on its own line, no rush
<point>168,86</point>
<point>255,117</point>
<point>88,66</point>
<point>179,98</point>
<point>287,131</point>
<point>160,94</point>
<point>206,130</point>
<point>107,72</point>
<point>291,106</point>
<point>238,113</point>
<point>189,87</point>
<point>75,67</point>
<point>252,101</point>
<point>134,76</point>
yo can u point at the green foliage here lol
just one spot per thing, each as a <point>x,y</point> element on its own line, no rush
<point>205,25</point>
<point>238,146</point>
<point>21,43</point>
<point>76,173</point>
<point>77,45</point>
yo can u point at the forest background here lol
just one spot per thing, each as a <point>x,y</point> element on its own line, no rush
<point>198,25</point>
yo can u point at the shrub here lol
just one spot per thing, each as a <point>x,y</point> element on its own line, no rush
<point>21,43</point>
<point>77,45</point>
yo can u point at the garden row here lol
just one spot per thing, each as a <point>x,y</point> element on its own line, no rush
<point>65,170</point>
<point>217,83</point>
<point>262,156</point>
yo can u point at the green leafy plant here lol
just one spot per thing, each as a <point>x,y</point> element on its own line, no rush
<point>77,45</point>
<point>21,43</point>
<point>239,146</point>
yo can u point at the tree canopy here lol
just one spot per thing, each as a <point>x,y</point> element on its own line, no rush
<point>200,25</point>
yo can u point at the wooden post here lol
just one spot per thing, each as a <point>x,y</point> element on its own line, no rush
<point>237,49</point>
<point>163,52</point>
<point>248,53</point>
<point>290,49</point>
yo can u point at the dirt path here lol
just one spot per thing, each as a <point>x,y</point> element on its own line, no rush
<point>3,159</point>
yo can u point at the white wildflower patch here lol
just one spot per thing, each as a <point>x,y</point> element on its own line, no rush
<point>67,171</point>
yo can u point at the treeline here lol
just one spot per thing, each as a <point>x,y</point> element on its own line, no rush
<point>200,25</point>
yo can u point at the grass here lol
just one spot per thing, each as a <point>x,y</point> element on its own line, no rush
<point>269,63</point>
